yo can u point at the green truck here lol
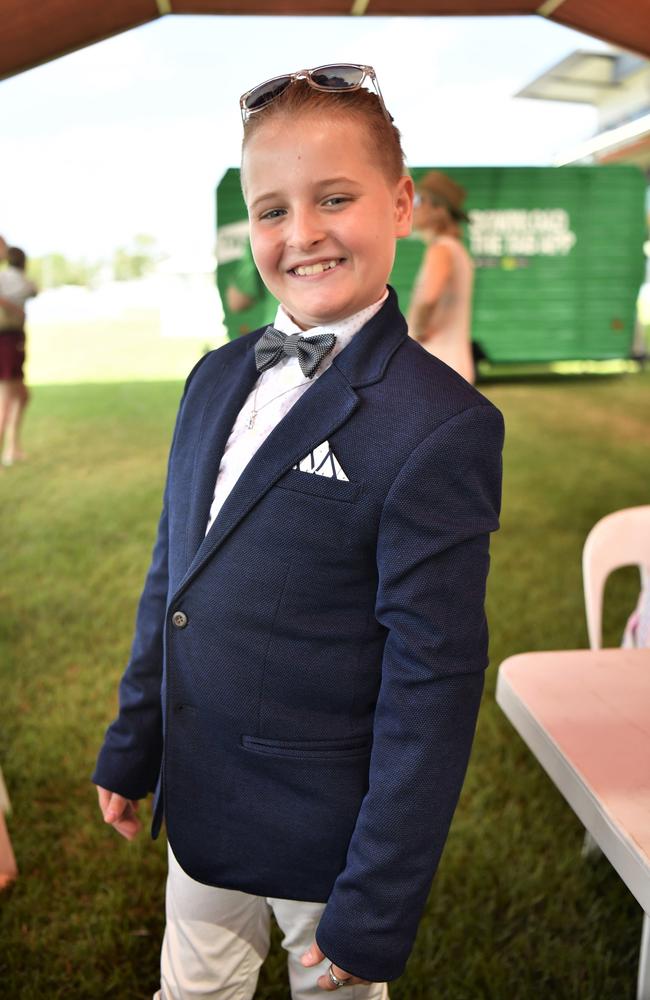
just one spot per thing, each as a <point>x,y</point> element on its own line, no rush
<point>558,253</point>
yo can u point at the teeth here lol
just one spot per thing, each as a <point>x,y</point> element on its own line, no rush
<point>316,268</point>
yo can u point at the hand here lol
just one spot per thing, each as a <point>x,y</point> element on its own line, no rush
<point>121,813</point>
<point>16,312</point>
<point>314,956</point>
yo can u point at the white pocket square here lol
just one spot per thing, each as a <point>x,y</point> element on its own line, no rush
<point>322,462</point>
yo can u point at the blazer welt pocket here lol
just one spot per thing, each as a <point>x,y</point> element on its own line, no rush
<point>320,486</point>
<point>358,746</point>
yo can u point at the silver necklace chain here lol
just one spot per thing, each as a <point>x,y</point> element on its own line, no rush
<point>256,409</point>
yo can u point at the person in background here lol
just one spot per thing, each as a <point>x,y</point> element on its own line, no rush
<point>8,869</point>
<point>440,313</point>
<point>10,313</point>
<point>246,301</point>
<point>246,287</point>
<point>8,866</point>
<point>15,289</point>
<point>637,629</point>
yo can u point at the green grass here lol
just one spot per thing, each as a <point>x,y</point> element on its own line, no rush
<point>514,912</point>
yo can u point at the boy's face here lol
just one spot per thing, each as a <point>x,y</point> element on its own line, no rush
<point>324,217</point>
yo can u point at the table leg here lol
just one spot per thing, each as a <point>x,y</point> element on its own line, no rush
<point>643,984</point>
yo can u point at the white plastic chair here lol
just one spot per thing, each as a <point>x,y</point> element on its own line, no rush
<point>619,539</point>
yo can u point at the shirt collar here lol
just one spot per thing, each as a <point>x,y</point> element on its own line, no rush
<point>344,329</point>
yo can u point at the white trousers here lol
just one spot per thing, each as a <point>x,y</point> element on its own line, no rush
<point>216,940</point>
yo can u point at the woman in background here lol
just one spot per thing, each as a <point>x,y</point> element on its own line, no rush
<point>440,313</point>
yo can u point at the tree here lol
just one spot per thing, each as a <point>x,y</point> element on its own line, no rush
<point>137,260</point>
<point>54,269</point>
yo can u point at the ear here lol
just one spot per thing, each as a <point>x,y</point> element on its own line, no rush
<point>404,192</point>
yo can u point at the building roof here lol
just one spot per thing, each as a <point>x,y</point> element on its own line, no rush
<point>595,78</point>
<point>629,143</point>
<point>585,77</point>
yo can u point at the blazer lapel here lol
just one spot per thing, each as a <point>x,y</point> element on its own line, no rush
<point>323,408</point>
<point>226,400</point>
<point>320,411</point>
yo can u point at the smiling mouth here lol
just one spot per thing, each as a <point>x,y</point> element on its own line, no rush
<point>306,270</point>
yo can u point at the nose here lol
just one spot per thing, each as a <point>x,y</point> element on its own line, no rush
<point>306,228</point>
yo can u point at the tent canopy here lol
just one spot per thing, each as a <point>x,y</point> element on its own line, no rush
<point>35,32</point>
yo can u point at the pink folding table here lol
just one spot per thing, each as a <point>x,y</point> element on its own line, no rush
<point>585,715</point>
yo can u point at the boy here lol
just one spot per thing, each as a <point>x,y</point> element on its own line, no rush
<point>320,648</point>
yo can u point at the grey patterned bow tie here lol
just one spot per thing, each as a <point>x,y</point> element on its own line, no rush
<point>310,351</point>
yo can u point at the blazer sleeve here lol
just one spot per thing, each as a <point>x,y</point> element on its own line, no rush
<point>432,558</point>
<point>131,754</point>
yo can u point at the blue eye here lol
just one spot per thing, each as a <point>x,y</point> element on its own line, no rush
<point>336,200</point>
<point>273,213</point>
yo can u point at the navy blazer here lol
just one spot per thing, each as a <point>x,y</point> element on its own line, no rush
<point>321,686</point>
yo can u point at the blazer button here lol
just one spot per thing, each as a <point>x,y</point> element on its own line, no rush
<point>179,618</point>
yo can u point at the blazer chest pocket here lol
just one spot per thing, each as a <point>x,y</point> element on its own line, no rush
<point>351,747</point>
<point>320,486</point>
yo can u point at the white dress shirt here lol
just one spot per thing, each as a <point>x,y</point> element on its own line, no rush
<point>274,393</point>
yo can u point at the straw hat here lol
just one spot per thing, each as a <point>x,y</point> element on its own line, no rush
<point>437,185</point>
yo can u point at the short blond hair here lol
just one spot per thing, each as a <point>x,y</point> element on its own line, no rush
<point>300,99</point>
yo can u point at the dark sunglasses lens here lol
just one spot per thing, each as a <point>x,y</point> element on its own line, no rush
<point>266,93</point>
<point>337,77</point>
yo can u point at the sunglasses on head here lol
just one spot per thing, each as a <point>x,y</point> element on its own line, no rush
<point>332,78</point>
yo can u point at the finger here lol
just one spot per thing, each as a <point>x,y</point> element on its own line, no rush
<point>128,825</point>
<point>326,983</point>
<point>116,808</point>
<point>119,812</point>
<point>128,828</point>
<point>104,797</point>
<point>313,955</point>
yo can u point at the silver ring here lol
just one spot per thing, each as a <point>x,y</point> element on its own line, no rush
<point>338,983</point>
